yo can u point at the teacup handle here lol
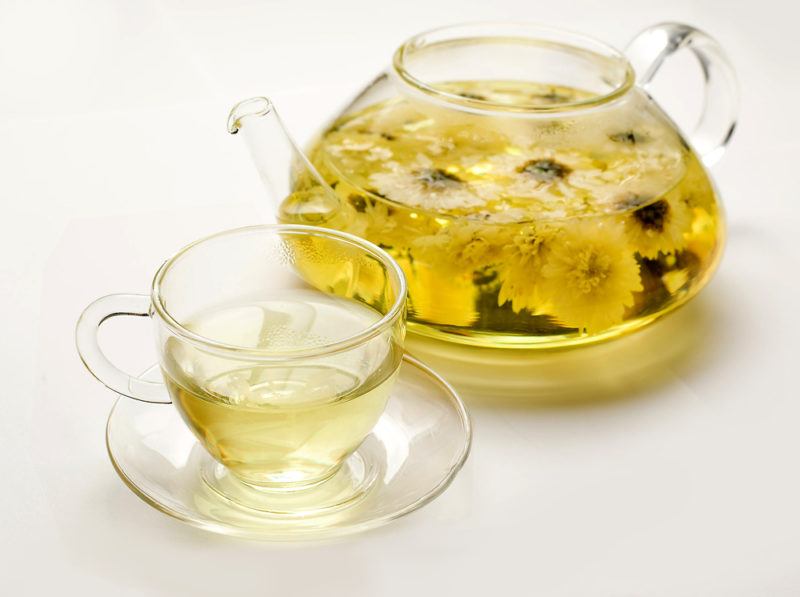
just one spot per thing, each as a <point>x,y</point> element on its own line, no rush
<point>101,310</point>
<point>648,51</point>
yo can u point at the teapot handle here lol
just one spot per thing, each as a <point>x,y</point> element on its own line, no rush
<point>648,51</point>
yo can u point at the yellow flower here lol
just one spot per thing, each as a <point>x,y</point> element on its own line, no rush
<point>380,223</point>
<point>374,219</point>
<point>462,246</point>
<point>363,216</point>
<point>525,244</point>
<point>660,227</point>
<point>520,270</point>
<point>350,220</point>
<point>518,287</point>
<point>589,276</point>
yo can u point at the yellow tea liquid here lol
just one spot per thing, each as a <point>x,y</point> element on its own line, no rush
<point>521,232</point>
<point>280,424</point>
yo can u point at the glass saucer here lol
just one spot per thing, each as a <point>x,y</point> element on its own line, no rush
<point>410,457</point>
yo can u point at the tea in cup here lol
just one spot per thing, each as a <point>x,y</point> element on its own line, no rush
<point>278,346</point>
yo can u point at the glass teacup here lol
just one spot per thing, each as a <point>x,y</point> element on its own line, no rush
<point>278,345</point>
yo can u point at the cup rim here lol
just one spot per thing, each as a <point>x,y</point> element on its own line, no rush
<point>388,319</point>
<point>473,32</point>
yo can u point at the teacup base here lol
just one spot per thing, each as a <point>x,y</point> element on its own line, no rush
<point>349,484</point>
<point>410,457</point>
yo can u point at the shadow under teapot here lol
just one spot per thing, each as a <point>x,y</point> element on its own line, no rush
<point>623,369</point>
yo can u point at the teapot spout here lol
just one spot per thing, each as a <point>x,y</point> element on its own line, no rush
<point>255,106</point>
<point>296,190</point>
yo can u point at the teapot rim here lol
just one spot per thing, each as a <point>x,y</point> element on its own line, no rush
<point>501,31</point>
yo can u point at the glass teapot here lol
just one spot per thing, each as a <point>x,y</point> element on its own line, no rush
<point>531,189</point>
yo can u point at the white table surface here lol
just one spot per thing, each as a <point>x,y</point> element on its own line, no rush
<point>114,154</point>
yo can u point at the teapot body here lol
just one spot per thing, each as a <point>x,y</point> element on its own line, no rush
<point>533,193</point>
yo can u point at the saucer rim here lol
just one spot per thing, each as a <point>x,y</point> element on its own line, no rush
<point>315,533</point>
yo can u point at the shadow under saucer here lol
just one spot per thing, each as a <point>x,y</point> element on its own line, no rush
<point>617,369</point>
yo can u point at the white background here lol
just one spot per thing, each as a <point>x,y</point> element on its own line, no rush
<point>113,153</point>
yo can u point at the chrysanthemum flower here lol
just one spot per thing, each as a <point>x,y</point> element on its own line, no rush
<point>520,270</point>
<point>350,220</point>
<point>588,275</point>
<point>518,287</point>
<point>561,183</point>
<point>659,227</point>
<point>525,244</point>
<point>462,246</point>
<point>423,185</point>
<point>357,152</point>
<point>377,220</point>
<point>544,182</point>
